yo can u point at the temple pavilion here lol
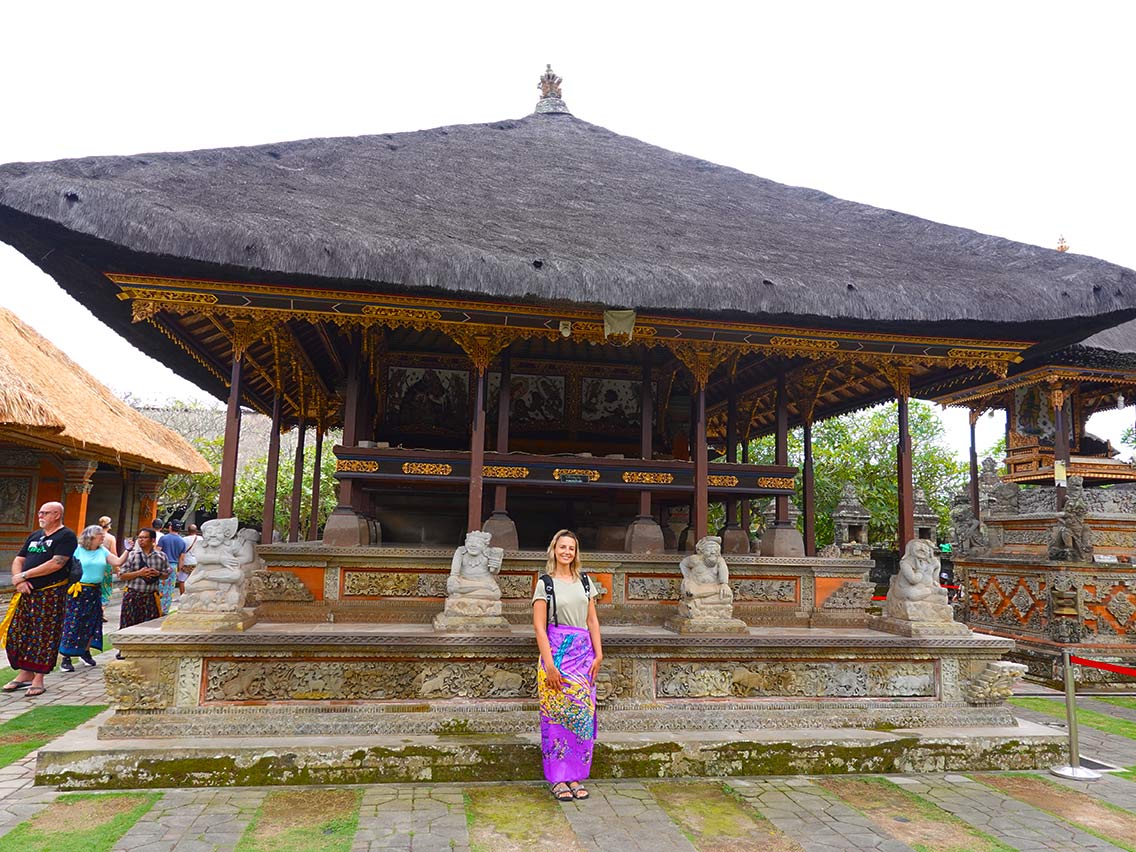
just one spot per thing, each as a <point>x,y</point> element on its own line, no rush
<point>538,322</point>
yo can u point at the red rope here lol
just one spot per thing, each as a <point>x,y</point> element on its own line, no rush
<point>1108,667</point>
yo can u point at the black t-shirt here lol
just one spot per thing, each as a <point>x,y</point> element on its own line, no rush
<point>41,548</point>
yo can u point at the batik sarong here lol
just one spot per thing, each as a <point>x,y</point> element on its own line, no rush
<point>83,621</point>
<point>166,586</point>
<point>568,714</point>
<point>138,606</point>
<point>108,586</point>
<point>32,643</point>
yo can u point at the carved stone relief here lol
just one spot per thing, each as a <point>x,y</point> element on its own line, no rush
<point>331,583</point>
<point>854,594</point>
<point>276,586</point>
<point>994,684</point>
<point>188,691</point>
<point>813,680</point>
<point>516,585</point>
<point>773,591</point>
<point>652,588</point>
<point>392,584</point>
<point>15,506</point>
<point>129,689</point>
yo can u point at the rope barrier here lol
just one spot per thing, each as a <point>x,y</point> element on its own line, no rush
<point>1108,667</point>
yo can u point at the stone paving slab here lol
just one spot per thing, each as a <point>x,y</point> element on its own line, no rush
<point>623,816</point>
<point>1115,791</point>
<point>813,817</point>
<point>414,818</point>
<point>1015,823</point>
<point>1110,748</point>
<point>191,820</point>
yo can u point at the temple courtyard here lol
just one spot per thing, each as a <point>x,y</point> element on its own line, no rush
<point>935,811</point>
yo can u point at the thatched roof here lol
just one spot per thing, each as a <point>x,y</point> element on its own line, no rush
<point>552,208</point>
<point>45,397</point>
<point>1120,340</point>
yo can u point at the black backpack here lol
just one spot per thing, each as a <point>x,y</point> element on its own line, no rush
<point>74,571</point>
<point>550,592</point>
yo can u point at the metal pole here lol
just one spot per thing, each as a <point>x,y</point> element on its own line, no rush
<point>1074,770</point>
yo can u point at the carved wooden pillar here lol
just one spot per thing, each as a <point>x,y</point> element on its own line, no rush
<point>701,520</point>
<point>905,529</point>
<point>808,491</point>
<point>271,474</point>
<point>781,451</point>
<point>297,482</point>
<point>121,523</point>
<point>476,450</point>
<point>76,491</point>
<point>345,527</point>
<point>735,539</point>
<point>313,517</point>
<point>747,504</point>
<point>499,525</point>
<point>146,488</point>
<point>975,504</point>
<point>1057,396</point>
<point>644,535</point>
<point>232,439</point>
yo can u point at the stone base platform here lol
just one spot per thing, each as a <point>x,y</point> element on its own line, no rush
<point>81,761</point>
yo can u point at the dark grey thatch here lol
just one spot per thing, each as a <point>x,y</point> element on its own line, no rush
<point>553,208</point>
<point>1121,339</point>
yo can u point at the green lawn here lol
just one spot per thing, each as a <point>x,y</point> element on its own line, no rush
<point>1088,718</point>
<point>21,736</point>
<point>1117,701</point>
<point>79,822</point>
<point>311,820</point>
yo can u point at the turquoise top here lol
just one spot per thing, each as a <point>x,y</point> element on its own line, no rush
<point>94,563</point>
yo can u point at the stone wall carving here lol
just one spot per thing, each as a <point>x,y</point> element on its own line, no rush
<point>276,586</point>
<point>394,584</point>
<point>319,680</point>
<point>331,583</point>
<point>1007,599</point>
<point>188,691</point>
<point>774,591</point>
<point>516,586</point>
<point>812,680</point>
<point>129,688</point>
<point>15,500</point>
<point>652,588</point>
<point>854,594</point>
<point>994,684</point>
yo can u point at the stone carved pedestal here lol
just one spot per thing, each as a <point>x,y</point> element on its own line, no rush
<point>706,602</point>
<point>473,601</point>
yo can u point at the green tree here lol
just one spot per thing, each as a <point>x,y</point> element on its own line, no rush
<point>248,501</point>
<point>859,449</point>
<point>1129,436</point>
<point>184,493</point>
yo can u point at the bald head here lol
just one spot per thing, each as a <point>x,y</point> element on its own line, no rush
<point>51,516</point>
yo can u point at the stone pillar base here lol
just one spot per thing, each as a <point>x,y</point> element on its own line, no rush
<point>734,540</point>
<point>678,624</point>
<point>782,541</point>
<point>209,622</point>
<point>611,537</point>
<point>503,531</point>
<point>917,629</point>
<point>345,528</point>
<point>644,535</point>
<point>450,622</point>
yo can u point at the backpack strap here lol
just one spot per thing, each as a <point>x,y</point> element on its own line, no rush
<point>550,596</point>
<point>587,584</point>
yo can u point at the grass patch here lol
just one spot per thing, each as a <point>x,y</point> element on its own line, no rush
<point>715,821</point>
<point>29,731</point>
<point>1122,701</point>
<point>517,819</point>
<point>312,820</point>
<point>1088,718</point>
<point>1098,818</point>
<point>80,822</point>
<point>910,818</point>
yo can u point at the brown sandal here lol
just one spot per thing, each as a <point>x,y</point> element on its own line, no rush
<point>561,792</point>
<point>578,791</point>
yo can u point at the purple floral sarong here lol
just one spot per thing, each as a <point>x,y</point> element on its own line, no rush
<point>568,714</point>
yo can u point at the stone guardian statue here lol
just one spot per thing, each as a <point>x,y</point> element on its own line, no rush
<point>214,595</point>
<point>916,604</point>
<point>705,600</point>
<point>473,598</point>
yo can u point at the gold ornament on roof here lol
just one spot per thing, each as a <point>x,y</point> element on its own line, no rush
<point>549,84</point>
<point>1062,246</point>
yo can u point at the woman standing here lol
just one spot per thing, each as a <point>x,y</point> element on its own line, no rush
<point>111,544</point>
<point>568,636</point>
<point>83,618</point>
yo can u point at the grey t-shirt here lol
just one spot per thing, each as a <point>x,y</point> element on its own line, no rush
<point>571,601</point>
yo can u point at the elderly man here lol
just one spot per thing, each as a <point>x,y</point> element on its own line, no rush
<point>34,623</point>
<point>142,572</point>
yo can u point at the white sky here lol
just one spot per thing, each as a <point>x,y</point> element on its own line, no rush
<point>1011,118</point>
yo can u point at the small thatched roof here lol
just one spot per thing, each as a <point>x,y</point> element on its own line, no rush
<point>1120,340</point>
<point>47,397</point>
<point>552,208</point>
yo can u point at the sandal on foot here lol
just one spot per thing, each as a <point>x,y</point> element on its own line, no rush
<point>561,793</point>
<point>35,692</point>
<point>17,685</point>
<point>578,791</point>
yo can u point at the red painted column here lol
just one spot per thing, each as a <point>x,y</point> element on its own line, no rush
<point>504,401</point>
<point>297,482</point>
<point>313,517</point>
<point>781,451</point>
<point>647,416</point>
<point>271,474</point>
<point>477,452</point>
<point>701,520</point>
<point>232,440</point>
<point>808,492</point>
<point>906,522</point>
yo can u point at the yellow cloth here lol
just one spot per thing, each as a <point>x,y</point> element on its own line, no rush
<point>7,622</point>
<point>75,589</point>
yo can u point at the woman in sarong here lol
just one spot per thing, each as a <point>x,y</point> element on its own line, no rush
<point>111,544</point>
<point>568,636</point>
<point>83,618</point>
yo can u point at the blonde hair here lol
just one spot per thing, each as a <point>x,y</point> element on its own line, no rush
<point>104,522</point>
<point>550,565</point>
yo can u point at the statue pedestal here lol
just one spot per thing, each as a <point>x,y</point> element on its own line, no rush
<point>644,536</point>
<point>684,624</point>
<point>503,530</point>
<point>344,528</point>
<point>734,540</point>
<point>782,541</point>
<point>917,629</point>
<point>464,615</point>
<point>209,622</point>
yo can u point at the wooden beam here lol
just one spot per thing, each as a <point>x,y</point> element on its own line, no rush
<point>271,474</point>
<point>477,452</point>
<point>232,440</point>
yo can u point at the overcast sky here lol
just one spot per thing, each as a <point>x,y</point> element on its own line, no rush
<point>1011,118</point>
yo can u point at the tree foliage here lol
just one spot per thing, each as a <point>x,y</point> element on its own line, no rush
<point>248,501</point>
<point>860,449</point>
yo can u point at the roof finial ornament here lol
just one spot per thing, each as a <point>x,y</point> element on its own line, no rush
<point>549,86</point>
<point>1062,246</point>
